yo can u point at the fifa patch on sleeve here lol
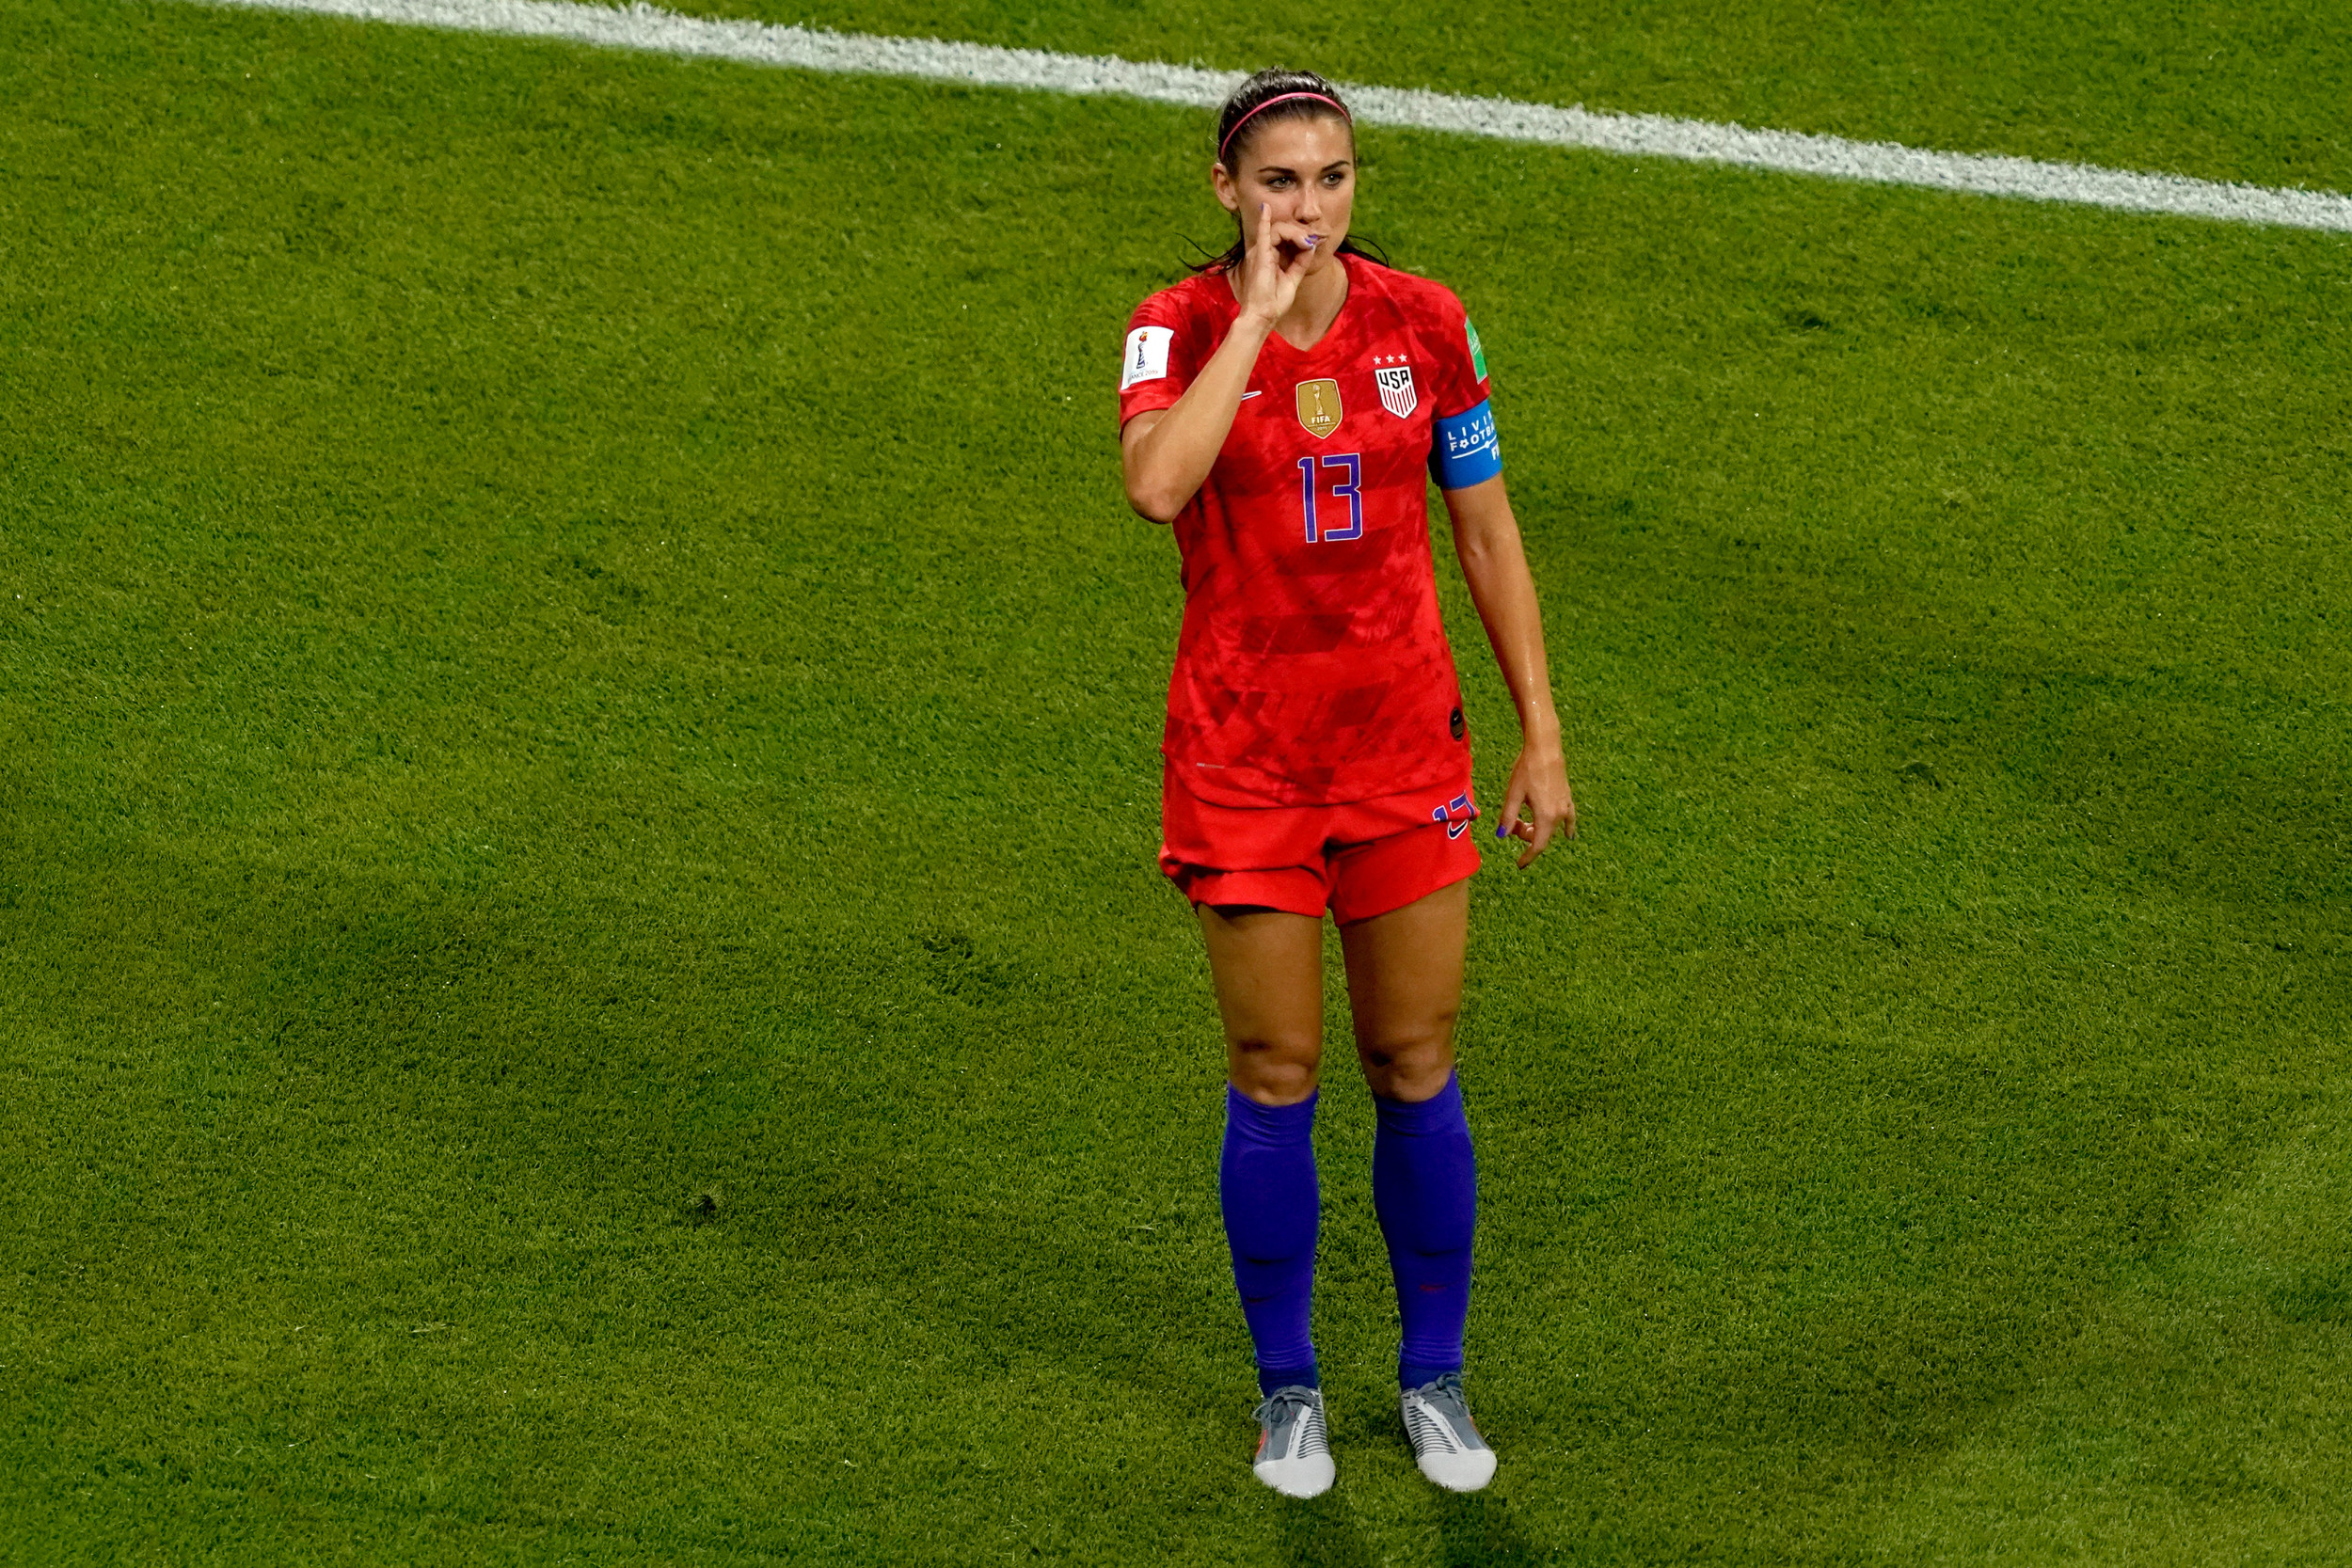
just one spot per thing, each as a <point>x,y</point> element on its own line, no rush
<point>1478,350</point>
<point>1147,355</point>
<point>1464,452</point>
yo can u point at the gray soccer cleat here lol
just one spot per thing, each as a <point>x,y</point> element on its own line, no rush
<point>1294,1448</point>
<point>1446,1441</point>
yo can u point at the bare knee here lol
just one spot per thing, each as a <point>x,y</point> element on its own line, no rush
<point>1409,1062</point>
<point>1274,1069</point>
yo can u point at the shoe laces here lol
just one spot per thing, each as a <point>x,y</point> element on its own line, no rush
<point>1452,1426</point>
<point>1445,1391</point>
<point>1271,1410</point>
<point>1288,1416</point>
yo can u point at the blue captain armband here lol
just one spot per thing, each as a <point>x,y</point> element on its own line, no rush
<point>1464,452</point>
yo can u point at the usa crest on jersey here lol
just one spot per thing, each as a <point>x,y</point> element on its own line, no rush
<point>1396,389</point>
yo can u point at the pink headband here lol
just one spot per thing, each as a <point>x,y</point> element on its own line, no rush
<point>1279,98</point>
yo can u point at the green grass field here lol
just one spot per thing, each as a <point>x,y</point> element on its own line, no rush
<point>582,975</point>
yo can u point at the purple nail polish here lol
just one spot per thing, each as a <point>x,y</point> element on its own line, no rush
<point>1502,829</point>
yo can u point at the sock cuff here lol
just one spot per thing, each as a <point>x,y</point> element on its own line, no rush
<point>1412,1375</point>
<point>1441,1112</point>
<point>1271,1378</point>
<point>1273,1126</point>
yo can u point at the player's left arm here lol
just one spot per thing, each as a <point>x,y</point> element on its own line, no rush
<point>1494,563</point>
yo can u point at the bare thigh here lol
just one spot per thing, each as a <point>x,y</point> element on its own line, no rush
<point>1405,989</point>
<point>1267,965</point>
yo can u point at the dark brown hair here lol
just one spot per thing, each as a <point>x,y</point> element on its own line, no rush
<point>1304,96</point>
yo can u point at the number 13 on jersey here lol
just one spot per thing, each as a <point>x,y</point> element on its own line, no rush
<point>1351,469</point>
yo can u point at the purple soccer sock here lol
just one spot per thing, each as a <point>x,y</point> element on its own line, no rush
<point>1266,1182</point>
<point>1424,1187</point>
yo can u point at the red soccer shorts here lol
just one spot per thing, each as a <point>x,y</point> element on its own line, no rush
<point>1359,860</point>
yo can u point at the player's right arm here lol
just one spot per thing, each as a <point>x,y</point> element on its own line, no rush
<point>1167,452</point>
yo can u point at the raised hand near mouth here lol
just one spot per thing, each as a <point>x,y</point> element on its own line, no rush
<point>1277,259</point>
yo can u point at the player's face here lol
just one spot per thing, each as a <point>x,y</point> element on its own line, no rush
<point>1304,172</point>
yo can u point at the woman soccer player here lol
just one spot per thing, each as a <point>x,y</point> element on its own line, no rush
<point>1281,409</point>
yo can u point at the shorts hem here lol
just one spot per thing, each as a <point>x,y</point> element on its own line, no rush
<point>1390,899</point>
<point>1265,889</point>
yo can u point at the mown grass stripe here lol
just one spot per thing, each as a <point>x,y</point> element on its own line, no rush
<point>646,28</point>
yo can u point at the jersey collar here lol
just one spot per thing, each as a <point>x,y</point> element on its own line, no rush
<point>1342,325</point>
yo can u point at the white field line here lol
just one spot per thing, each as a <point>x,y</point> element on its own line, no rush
<point>642,27</point>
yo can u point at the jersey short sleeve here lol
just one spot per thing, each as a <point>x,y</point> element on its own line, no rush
<point>1161,358</point>
<point>1463,450</point>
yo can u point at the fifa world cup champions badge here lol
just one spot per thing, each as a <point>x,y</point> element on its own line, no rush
<point>1319,406</point>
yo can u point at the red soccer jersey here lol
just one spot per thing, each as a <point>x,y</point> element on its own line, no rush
<point>1312,668</point>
